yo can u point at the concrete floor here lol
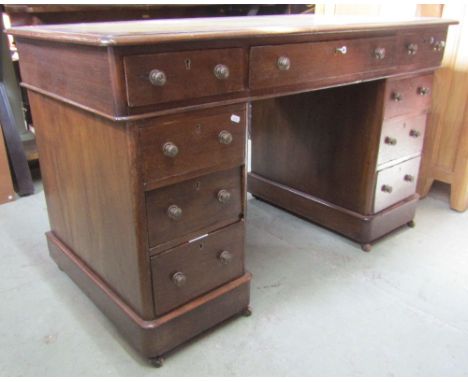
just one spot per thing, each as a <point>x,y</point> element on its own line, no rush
<point>322,307</point>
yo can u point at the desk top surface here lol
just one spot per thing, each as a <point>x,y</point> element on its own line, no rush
<point>172,30</point>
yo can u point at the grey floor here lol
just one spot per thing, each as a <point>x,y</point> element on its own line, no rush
<point>322,307</point>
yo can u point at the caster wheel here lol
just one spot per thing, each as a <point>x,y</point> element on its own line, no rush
<point>411,224</point>
<point>247,312</point>
<point>366,247</point>
<point>157,361</point>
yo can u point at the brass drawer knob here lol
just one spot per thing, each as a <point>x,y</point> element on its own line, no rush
<point>386,188</point>
<point>224,196</point>
<point>423,91</point>
<point>174,212</point>
<point>225,137</point>
<point>283,63</point>
<point>390,141</point>
<point>341,50</point>
<point>221,72</point>
<point>225,257</point>
<point>170,149</point>
<point>439,46</point>
<point>157,77</point>
<point>414,133</point>
<point>379,53</point>
<point>412,49</point>
<point>179,279</point>
<point>408,178</point>
<point>397,96</point>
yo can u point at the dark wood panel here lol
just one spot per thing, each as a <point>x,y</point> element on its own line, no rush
<point>314,61</point>
<point>91,199</point>
<point>196,136</point>
<point>322,143</point>
<point>6,184</point>
<point>199,202</point>
<point>219,255</point>
<point>80,74</point>
<point>187,75</point>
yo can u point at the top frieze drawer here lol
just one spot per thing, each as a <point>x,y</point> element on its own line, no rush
<point>176,76</point>
<point>292,64</point>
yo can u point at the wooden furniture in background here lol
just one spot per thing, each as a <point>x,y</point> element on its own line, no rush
<point>6,184</point>
<point>446,150</point>
<point>141,130</point>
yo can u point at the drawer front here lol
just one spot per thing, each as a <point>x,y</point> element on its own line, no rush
<point>282,65</point>
<point>396,183</point>
<point>201,140</point>
<point>401,137</point>
<point>193,205</point>
<point>422,49</point>
<point>408,95</point>
<point>192,269</point>
<point>176,76</point>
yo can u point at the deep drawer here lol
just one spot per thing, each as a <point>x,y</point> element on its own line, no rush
<point>407,95</point>
<point>396,183</point>
<point>176,76</point>
<point>192,269</point>
<point>193,205</point>
<point>401,137</point>
<point>198,140</point>
<point>282,65</point>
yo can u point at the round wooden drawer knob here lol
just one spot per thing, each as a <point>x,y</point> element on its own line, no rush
<point>390,141</point>
<point>283,63</point>
<point>414,133</point>
<point>412,49</point>
<point>379,53</point>
<point>225,137</point>
<point>170,149</point>
<point>224,196</point>
<point>221,72</point>
<point>225,257</point>
<point>179,279</point>
<point>174,212</point>
<point>397,97</point>
<point>386,188</point>
<point>157,77</point>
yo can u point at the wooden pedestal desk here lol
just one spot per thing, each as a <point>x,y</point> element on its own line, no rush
<point>141,128</point>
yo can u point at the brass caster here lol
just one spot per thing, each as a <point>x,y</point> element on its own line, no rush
<point>157,361</point>
<point>366,247</point>
<point>411,224</point>
<point>247,312</point>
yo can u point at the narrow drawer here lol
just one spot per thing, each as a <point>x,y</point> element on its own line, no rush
<point>193,205</point>
<point>176,76</point>
<point>192,269</point>
<point>192,142</point>
<point>401,137</point>
<point>282,65</point>
<point>407,95</point>
<point>422,49</point>
<point>396,183</point>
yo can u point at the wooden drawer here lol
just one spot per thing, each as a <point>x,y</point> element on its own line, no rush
<point>201,205</point>
<point>396,183</point>
<point>183,75</point>
<point>401,137</point>
<point>421,49</point>
<point>318,60</point>
<point>197,137</point>
<point>194,268</point>
<point>407,95</point>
